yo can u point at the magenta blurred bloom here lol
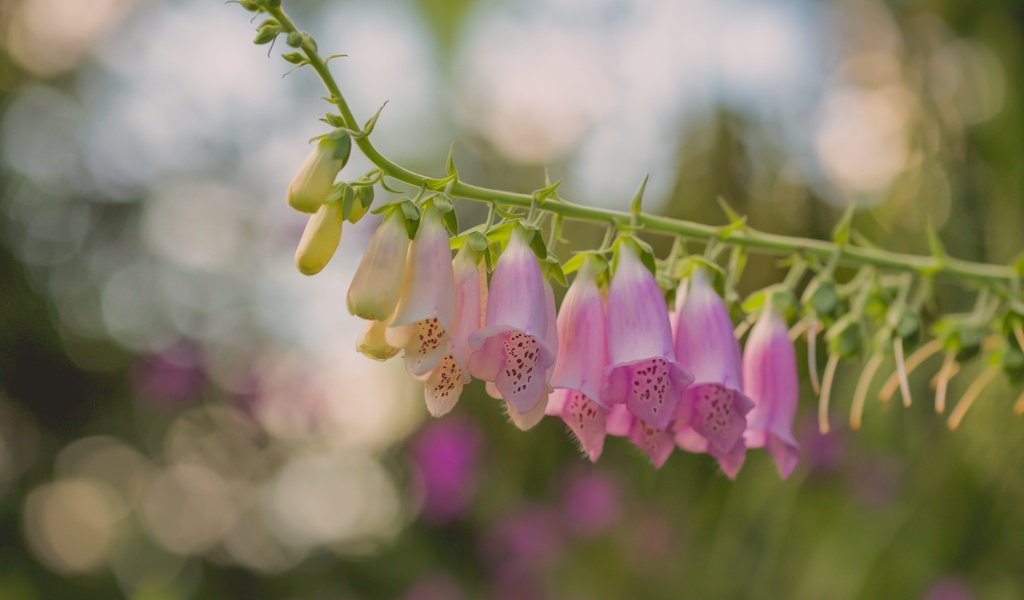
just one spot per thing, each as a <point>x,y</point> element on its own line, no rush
<point>435,586</point>
<point>949,588</point>
<point>173,376</point>
<point>712,414</point>
<point>592,502</point>
<point>444,384</point>
<point>530,539</point>
<point>770,380</point>
<point>513,349</point>
<point>643,374</point>
<point>582,357</point>
<point>426,309</point>
<point>446,457</point>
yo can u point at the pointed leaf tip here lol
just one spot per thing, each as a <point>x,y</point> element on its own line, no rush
<point>636,204</point>
<point>841,233</point>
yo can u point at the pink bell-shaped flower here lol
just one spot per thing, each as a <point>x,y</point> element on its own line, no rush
<point>513,350</point>
<point>444,384</point>
<point>712,414</point>
<point>770,380</point>
<point>426,311</point>
<point>643,373</point>
<point>582,357</point>
<point>377,284</point>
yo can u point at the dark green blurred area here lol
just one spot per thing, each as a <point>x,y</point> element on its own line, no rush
<point>204,445</point>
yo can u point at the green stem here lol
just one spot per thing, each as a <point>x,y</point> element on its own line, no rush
<point>747,237</point>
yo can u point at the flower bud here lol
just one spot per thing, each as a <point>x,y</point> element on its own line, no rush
<point>319,239</point>
<point>377,284</point>
<point>311,185</point>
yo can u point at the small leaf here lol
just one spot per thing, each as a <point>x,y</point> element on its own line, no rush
<point>537,244</point>
<point>841,233</point>
<point>372,122</point>
<point>552,269</point>
<point>636,204</point>
<point>334,120</point>
<point>732,215</point>
<point>934,243</point>
<point>544,193</point>
<point>449,163</point>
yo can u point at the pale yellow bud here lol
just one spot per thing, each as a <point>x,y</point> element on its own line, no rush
<point>311,185</point>
<point>377,284</point>
<point>319,239</point>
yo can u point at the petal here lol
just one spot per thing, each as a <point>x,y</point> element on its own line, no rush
<point>516,298</point>
<point>718,414</point>
<point>586,419</point>
<point>655,443</point>
<point>619,420</point>
<point>650,388</point>
<point>527,419</point>
<point>373,343</point>
<point>521,379</point>
<point>785,454</point>
<point>582,341</point>
<point>556,402</point>
<point>638,324</point>
<point>770,380</point>
<point>443,388</point>
<point>428,289</point>
<point>470,301</point>
<point>377,284</point>
<point>705,343</point>
<point>428,344</point>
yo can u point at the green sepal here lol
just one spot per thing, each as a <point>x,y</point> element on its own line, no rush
<point>776,296</point>
<point>552,269</point>
<point>295,58</point>
<point>846,336</point>
<point>908,326</point>
<point>334,120</point>
<point>476,241</point>
<point>361,202</point>
<point>411,212</point>
<point>342,145</point>
<point>598,262</point>
<point>444,205</point>
<point>821,297</point>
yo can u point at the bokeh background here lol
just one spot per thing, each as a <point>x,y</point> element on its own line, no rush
<point>183,415</point>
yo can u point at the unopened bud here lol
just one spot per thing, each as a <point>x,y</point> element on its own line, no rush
<point>319,239</point>
<point>311,185</point>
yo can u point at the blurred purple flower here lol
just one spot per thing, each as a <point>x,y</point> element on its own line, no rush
<point>592,502</point>
<point>446,458</point>
<point>876,480</point>
<point>531,539</point>
<point>434,586</point>
<point>513,582</point>
<point>949,588</point>
<point>171,377</point>
<point>822,453</point>
<point>651,541</point>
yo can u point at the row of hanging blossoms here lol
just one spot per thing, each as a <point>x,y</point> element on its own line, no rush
<point>614,359</point>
